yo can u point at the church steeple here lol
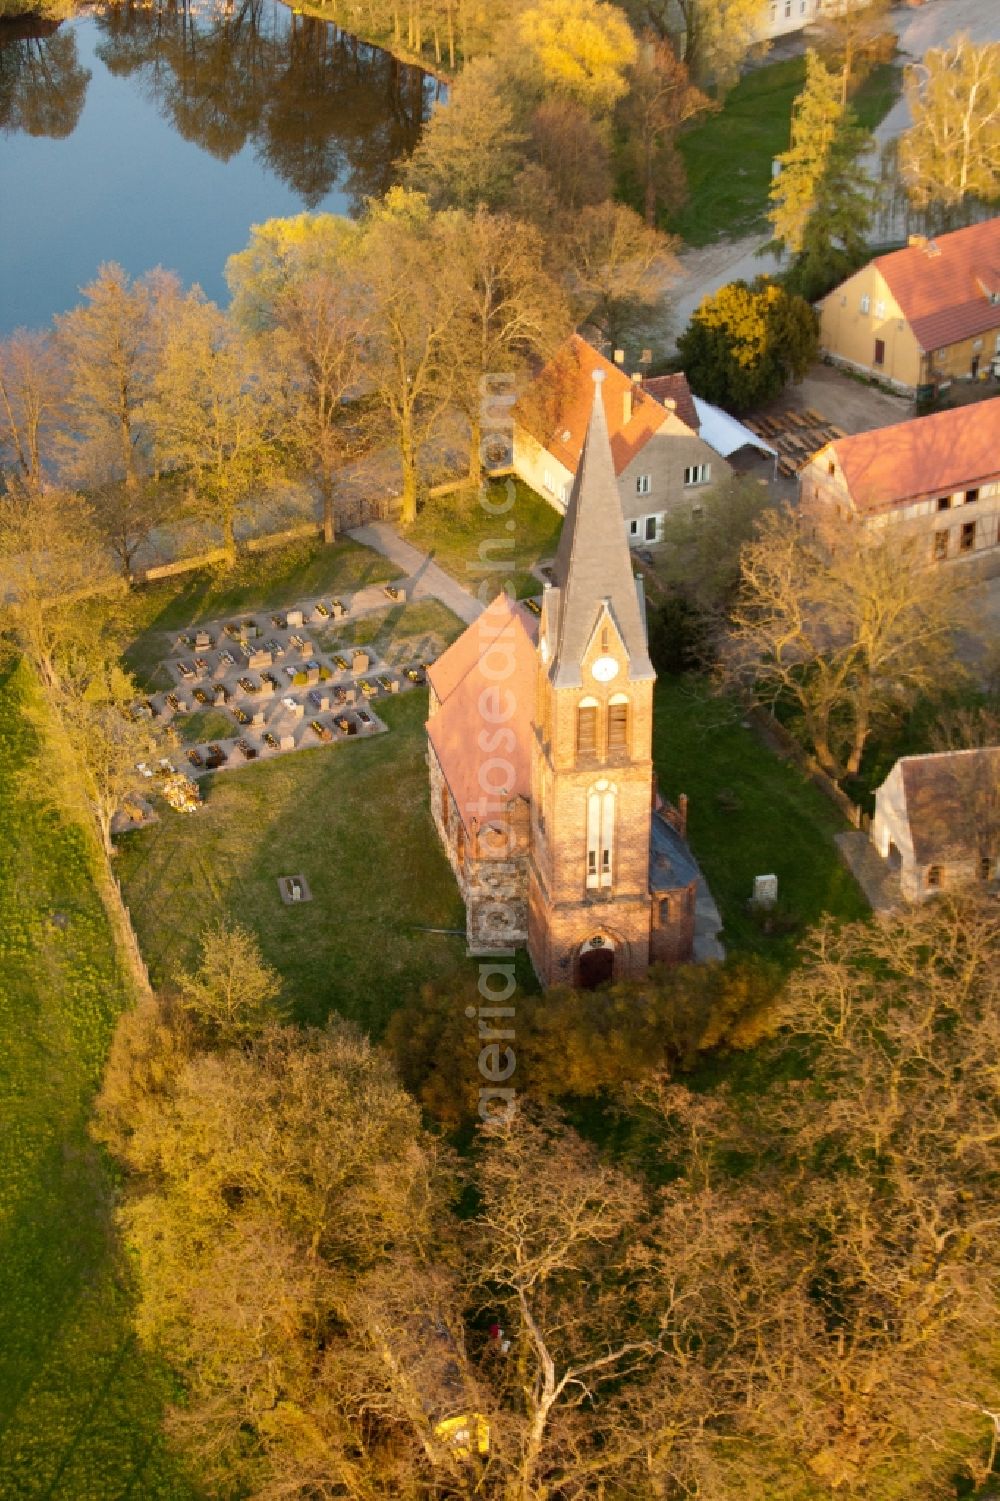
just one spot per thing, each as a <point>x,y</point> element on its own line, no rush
<point>593,569</point>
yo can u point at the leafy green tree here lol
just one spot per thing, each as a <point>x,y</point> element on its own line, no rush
<point>581,48</point>
<point>821,200</point>
<point>280,254</point>
<point>951,153</point>
<point>746,341</point>
<point>468,151</point>
<point>232,993</point>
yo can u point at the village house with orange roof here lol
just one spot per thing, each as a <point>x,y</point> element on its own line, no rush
<point>922,316</point>
<point>541,768</point>
<point>935,478</point>
<point>660,438</point>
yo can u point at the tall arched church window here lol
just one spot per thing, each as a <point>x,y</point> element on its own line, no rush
<point>586,727</point>
<point>601,809</point>
<point>618,709</point>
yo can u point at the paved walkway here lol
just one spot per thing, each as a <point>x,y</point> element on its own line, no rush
<point>424,578</point>
<point>879,884</point>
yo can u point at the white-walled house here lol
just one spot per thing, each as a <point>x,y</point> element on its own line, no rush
<point>937,820</point>
<point>662,460</point>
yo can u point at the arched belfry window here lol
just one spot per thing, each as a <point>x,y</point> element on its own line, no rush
<point>618,713</point>
<point>602,801</point>
<point>586,727</point>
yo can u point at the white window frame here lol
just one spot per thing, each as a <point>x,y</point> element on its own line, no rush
<point>866,302</point>
<point>633,527</point>
<point>880,309</point>
<point>643,483</point>
<point>697,474</point>
<point>654,523</point>
<point>601,811</point>
<point>547,481</point>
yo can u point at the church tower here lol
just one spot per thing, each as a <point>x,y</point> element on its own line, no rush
<point>589,898</point>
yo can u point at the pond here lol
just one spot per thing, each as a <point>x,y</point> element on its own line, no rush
<point>158,133</point>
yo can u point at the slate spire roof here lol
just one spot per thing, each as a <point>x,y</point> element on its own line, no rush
<point>593,567</point>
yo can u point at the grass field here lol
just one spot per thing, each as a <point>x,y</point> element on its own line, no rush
<point>264,581</point>
<point>749,814</point>
<point>353,819</point>
<point>464,538</point>
<point>401,633</point>
<point>727,185</point>
<point>79,1404</point>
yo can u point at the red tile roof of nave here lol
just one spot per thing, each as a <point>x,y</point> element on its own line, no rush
<point>496,654</point>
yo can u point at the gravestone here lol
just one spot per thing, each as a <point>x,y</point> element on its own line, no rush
<point>293,619</point>
<point>765,891</point>
<point>287,742</point>
<point>360,661</point>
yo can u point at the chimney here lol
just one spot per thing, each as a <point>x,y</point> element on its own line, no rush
<point>627,405</point>
<point>670,404</point>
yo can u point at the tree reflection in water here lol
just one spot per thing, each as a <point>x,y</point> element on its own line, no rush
<point>319,107</point>
<point>42,85</point>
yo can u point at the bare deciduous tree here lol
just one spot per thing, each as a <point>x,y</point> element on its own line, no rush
<point>952,150</point>
<point>846,629</point>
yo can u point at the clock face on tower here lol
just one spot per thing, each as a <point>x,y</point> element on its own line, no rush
<point>604,669</point>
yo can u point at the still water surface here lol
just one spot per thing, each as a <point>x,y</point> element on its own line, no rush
<point>157,134</point>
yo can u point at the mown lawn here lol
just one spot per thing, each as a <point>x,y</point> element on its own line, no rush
<point>263,581</point>
<point>749,814</point>
<point>79,1404</point>
<point>484,545</point>
<point>728,156</point>
<point>354,820</point>
<point>399,634</point>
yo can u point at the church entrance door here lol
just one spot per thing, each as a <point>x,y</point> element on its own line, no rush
<point>596,967</point>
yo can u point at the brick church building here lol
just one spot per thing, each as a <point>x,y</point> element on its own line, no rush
<point>540,760</point>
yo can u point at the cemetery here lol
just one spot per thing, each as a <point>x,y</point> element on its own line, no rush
<point>271,682</point>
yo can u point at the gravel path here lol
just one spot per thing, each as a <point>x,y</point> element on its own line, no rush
<point>424,578</point>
